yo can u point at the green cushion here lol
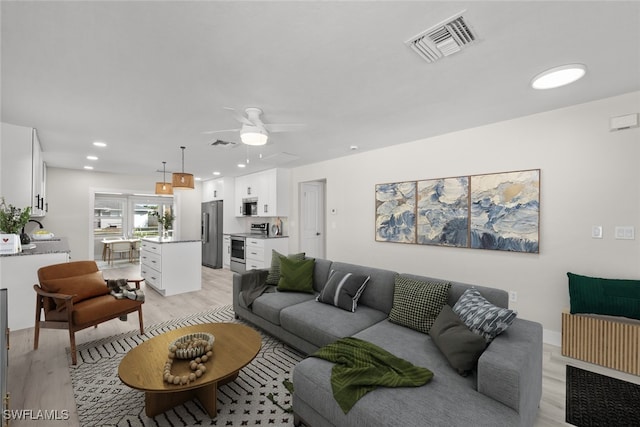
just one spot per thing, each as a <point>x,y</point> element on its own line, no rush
<point>458,344</point>
<point>416,304</point>
<point>296,276</point>
<point>274,272</point>
<point>614,297</point>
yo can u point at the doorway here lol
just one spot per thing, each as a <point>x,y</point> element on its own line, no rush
<point>312,219</point>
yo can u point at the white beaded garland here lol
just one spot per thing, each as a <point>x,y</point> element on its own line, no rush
<point>196,365</point>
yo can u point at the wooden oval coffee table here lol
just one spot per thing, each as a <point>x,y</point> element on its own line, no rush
<point>142,367</point>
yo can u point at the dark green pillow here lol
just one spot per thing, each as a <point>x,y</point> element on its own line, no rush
<point>274,272</point>
<point>456,341</point>
<point>296,276</point>
<point>613,297</point>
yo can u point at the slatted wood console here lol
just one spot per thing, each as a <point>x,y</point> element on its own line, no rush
<point>603,340</point>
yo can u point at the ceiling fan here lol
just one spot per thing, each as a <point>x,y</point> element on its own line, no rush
<point>253,130</point>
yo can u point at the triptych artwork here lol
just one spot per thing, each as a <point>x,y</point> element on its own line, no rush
<point>498,211</point>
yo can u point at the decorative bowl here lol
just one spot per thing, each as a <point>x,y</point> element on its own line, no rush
<point>185,348</point>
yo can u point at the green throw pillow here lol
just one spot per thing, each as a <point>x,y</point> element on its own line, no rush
<point>613,297</point>
<point>416,304</point>
<point>458,344</point>
<point>274,272</point>
<point>296,276</point>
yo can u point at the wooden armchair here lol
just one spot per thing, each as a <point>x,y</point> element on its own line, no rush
<point>74,296</point>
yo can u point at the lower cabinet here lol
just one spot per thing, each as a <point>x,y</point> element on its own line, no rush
<point>226,251</point>
<point>258,251</point>
<point>171,267</point>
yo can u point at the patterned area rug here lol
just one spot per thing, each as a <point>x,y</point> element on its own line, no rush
<point>103,400</point>
<point>597,400</point>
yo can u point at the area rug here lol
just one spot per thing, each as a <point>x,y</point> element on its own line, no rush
<point>257,397</point>
<point>598,400</point>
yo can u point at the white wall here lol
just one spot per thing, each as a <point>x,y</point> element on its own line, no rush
<point>69,192</point>
<point>589,176</point>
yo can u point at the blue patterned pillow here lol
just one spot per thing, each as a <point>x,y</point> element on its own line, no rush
<point>481,316</point>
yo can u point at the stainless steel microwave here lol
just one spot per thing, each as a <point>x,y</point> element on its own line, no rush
<point>250,207</point>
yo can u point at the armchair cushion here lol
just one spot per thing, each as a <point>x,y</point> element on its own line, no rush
<point>82,287</point>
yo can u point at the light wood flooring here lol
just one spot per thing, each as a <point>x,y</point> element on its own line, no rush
<point>40,380</point>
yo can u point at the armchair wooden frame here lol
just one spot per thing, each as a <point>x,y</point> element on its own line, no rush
<point>69,323</point>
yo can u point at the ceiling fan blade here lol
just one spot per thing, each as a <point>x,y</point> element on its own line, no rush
<point>283,127</point>
<point>239,117</point>
<point>208,132</point>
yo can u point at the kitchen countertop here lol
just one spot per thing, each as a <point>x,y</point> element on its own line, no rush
<point>49,246</point>
<point>168,240</point>
<point>256,235</point>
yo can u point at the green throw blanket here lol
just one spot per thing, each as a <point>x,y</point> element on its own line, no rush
<point>361,367</point>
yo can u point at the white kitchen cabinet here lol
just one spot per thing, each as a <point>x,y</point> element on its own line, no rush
<point>171,266</point>
<point>226,251</point>
<point>212,190</point>
<point>18,273</point>
<point>258,251</point>
<point>23,169</point>
<point>270,188</point>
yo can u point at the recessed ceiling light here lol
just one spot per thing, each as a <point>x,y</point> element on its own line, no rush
<point>198,178</point>
<point>558,76</point>
<point>216,173</point>
<point>89,167</point>
<point>353,147</point>
<point>241,165</point>
<point>92,158</point>
<point>100,144</point>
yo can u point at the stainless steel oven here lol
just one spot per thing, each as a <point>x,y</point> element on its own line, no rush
<point>238,262</point>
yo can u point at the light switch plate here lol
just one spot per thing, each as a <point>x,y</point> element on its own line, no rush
<point>625,232</point>
<point>596,232</point>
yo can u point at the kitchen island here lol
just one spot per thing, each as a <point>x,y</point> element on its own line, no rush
<point>19,272</point>
<point>170,266</point>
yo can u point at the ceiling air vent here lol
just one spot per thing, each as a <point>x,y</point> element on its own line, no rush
<point>444,39</point>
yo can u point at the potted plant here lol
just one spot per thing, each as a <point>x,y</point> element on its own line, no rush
<point>12,220</point>
<point>166,219</point>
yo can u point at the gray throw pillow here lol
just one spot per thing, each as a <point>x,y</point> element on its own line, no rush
<point>481,316</point>
<point>274,272</point>
<point>343,290</point>
<point>416,304</point>
<point>458,344</point>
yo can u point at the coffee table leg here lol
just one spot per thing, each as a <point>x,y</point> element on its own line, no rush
<point>208,396</point>
<point>158,403</point>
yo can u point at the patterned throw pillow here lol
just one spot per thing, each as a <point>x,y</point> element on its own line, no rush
<point>481,316</point>
<point>416,304</point>
<point>343,290</point>
<point>296,276</point>
<point>274,272</point>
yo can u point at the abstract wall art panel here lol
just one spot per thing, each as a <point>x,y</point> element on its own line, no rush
<point>396,212</point>
<point>505,211</point>
<point>443,212</point>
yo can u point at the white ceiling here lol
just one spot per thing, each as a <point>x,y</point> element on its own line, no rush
<point>148,77</point>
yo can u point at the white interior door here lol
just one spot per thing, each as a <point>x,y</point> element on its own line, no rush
<point>312,219</point>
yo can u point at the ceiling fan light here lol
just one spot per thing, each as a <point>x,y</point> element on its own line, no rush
<point>558,76</point>
<point>253,137</point>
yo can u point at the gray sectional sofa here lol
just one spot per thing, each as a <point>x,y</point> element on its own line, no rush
<point>504,389</point>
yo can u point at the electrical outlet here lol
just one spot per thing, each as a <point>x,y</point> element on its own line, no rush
<point>513,296</point>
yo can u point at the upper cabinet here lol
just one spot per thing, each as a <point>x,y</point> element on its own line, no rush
<point>212,190</point>
<point>23,169</point>
<point>270,188</point>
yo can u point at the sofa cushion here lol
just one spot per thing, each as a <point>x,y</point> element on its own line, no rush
<point>481,316</point>
<point>379,291</point>
<point>269,305</point>
<point>322,324</point>
<point>83,287</point>
<point>416,304</point>
<point>343,290</point>
<point>296,276</point>
<point>274,272</point>
<point>454,339</point>
<point>614,297</point>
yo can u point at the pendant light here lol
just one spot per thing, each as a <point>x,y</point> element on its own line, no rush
<point>164,187</point>
<point>182,181</point>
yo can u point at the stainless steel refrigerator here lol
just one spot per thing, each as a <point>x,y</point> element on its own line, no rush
<point>212,234</point>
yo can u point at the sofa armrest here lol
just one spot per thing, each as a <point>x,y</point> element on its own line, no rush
<point>510,369</point>
<point>243,281</point>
